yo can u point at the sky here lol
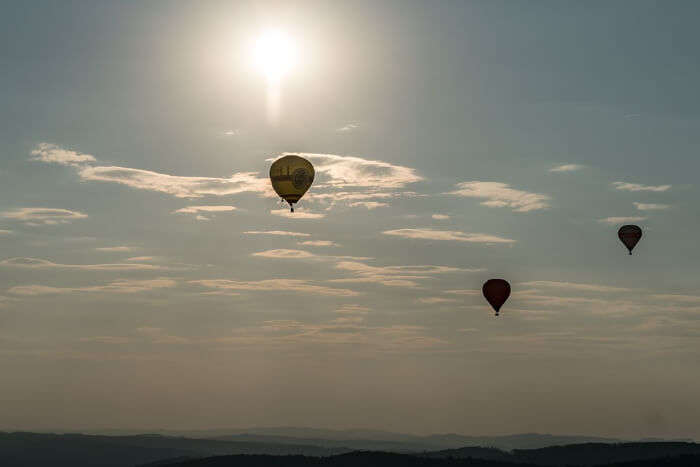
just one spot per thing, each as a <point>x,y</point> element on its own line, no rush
<point>149,278</point>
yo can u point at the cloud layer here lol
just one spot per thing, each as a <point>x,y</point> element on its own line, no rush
<point>447,235</point>
<point>624,186</point>
<point>499,194</point>
<point>47,216</point>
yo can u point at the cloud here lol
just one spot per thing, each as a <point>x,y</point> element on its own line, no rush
<point>178,186</point>
<point>351,195</point>
<point>464,292</point>
<point>352,309</point>
<point>48,216</point>
<point>621,220</point>
<point>347,128</point>
<point>436,300</point>
<point>566,168</point>
<point>651,206</point>
<point>115,249</point>
<point>159,336</point>
<point>118,286</point>
<point>368,204</point>
<point>440,217</point>
<point>5,232</point>
<point>50,153</point>
<point>297,214</point>
<point>499,195</point>
<point>285,254</point>
<point>141,258</point>
<point>234,132</point>
<point>391,276</point>
<point>117,340</point>
<point>447,235</point>
<point>277,232</point>
<point>575,286</point>
<point>35,263</point>
<point>624,186</point>
<point>318,243</point>
<point>678,298</point>
<point>279,285</point>
<point>198,209</point>
<point>349,171</point>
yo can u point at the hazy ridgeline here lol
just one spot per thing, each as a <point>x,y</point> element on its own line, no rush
<point>34,449</point>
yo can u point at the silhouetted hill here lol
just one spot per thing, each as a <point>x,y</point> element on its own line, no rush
<point>355,459</point>
<point>588,454</point>
<point>396,442</point>
<point>598,453</point>
<point>35,449</point>
<point>380,459</point>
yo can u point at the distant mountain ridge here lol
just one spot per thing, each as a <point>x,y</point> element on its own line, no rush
<point>63,450</point>
<point>362,439</point>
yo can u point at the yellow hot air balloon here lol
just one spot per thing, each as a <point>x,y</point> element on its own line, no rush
<point>291,177</point>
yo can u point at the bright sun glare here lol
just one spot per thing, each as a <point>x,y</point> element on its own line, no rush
<point>275,54</point>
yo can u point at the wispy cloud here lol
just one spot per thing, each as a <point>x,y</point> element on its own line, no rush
<point>278,285</point>
<point>566,168</point>
<point>468,292</point>
<point>178,186</point>
<point>118,286</point>
<point>447,235</point>
<point>141,258</point>
<point>621,220</point>
<point>349,171</point>
<point>651,206</point>
<point>200,209</point>
<point>368,204</point>
<point>116,340</point>
<point>50,153</point>
<point>624,186</point>
<point>115,249</point>
<point>348,127</point>
<point>285,254</point>
<point>298,214</point>
<point>575,286</point>
<point>5,232</point>
<point>175,185</point>
<point>318,243</point>
<point>281,233</point>
<point>440,217</point>
<point>35,263</point>
<point>694,299</point>
<point>352,309</point>
<point>435,300</point>
<point>47,216</point>
<point>499,194</point>
<point>392,276</point>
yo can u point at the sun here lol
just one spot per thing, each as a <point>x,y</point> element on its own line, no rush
<point>275,54</point>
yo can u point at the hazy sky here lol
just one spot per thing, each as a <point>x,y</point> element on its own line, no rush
<point>149,280</point>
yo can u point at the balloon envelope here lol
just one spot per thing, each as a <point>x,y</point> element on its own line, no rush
<point>496,292</point>
<point>629,235</point>
<point>291,177</point>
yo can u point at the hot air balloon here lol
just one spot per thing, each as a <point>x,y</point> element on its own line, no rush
<point>629,235</point>
<point>496,292</point>
<point>291,176</point>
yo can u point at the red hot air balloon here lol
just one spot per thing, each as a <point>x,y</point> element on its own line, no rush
<point>496,292</point>
<point>629,235</point>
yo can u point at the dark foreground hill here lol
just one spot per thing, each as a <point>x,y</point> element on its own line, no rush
<point>38,449</point>
<point>588,454</point>
<point>353,459</point>
<point>78,450</point>
<point>382,459</point>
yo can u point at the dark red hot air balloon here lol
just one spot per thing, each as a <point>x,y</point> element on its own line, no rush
<point>496,292</point>
<point>629,235</point>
